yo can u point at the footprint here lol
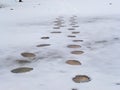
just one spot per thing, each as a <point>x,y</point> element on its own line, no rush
<point>117,83</point>
<point>74,16</point>
<point>45,37</point>
<point>74,89</point>
<point>73,62</point>
<point>27,54</point>
<point>62,26</point>
<point>56,27</point>
<point>75,32</point>
<point>81,79</point>
<point>116,38</point>
<point>22,70</point>
<point>57,21</point>
<point>72,20</point>
<point>56,32</point>
<point>59,25</point>
<point>74,23</point>
<point>72,36</point>
<point>77,52</point>
<point>77,40</point>
<point>71,28</point>
<point>22,61</point>
<point>73,46</point>
<point>57,18</point>
<point>102,41</point>
<point>43,45</point>
<point>75,26</point>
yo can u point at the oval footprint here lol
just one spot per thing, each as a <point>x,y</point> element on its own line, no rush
<point>73,46</point>
<point>43,45</point>
<point>75,32</point>
<point>56,27</point>
<point>56,32</point>
<point>71,28</point>
<point>75,26</point>
<point>45,37</point>
<point>57,24</point>
<point>81,79</point>
<point>62,26</point>
<point>22,70</point>
<point>72,24</point>
<point>27,54</point>
<point>57,21</point>
<point>74,89</point>
<point>73,62</point>
<point>77,40</point>
<point>71,36</point>
<point>22,61</point>
<point>77,52</point>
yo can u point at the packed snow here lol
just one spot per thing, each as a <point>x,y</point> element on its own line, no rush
<point>23,24</point>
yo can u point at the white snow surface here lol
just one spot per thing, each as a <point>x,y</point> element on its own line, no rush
<point>23,24</point>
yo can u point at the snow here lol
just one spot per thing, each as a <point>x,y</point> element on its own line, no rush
<point>23,24</point>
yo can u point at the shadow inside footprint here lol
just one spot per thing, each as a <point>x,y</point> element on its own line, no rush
<point>45,37</point>
<point>117,83</point>
<point>72,36</point>
<point>74,89</point>
<point>77,52</point>
<point>81,79</point>
<point>71,28</point>
<point>75,26</point>
<point>73,46</point>
<point>102,41</point>
<point>22,70</point>
<point>22,61</point>
<point>27,54</point>
<point>75,32</point>
<point>73,62</point>
<point>77,40</point>
<point>56,32</point>
<point>56,27</point>
<point>43,45</point>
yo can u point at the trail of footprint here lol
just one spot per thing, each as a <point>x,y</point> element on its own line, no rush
<point>58,23</point>
<point>77,78</point>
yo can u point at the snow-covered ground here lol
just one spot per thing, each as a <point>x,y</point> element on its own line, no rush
<point>23,24</point>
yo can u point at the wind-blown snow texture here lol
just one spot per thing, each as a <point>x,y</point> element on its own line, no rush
<point>23,24</point>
